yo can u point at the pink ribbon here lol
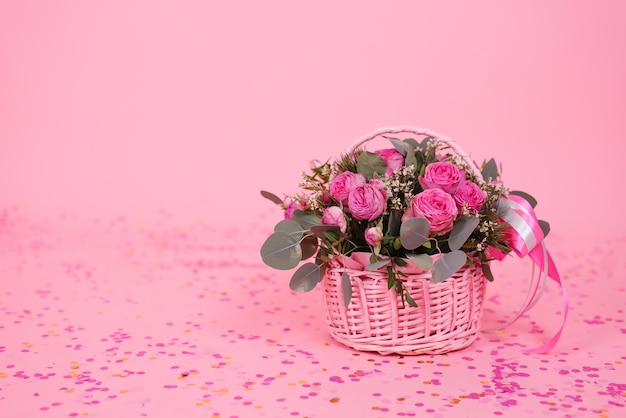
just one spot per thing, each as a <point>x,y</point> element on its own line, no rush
<point>527,239</point>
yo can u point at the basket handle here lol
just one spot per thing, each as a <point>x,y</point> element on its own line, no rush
<point>418,131</point>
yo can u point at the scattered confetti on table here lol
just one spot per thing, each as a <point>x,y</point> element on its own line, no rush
<point>120,316</point>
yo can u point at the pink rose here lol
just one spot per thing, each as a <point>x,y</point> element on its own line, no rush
<point>442,175</point>
<point>470,194</point>
<point>289,210</point>
<point>342,185</point>
<point>333,215</point>
<point>392,158</point>
<point>293,205</point>
<point>373,236</point>
<point>437,206</point>
<point>367,201</point>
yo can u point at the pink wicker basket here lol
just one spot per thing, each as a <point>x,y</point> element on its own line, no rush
<point>447,316</point>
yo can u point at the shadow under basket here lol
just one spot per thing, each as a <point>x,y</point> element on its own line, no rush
<point>447,316</point>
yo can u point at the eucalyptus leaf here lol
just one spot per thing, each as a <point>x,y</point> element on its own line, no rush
<point>323,230</point>
<point>414,232</point>
<point>490,170</point>
<point>378,264</point>
<point>401,147</point>
<point>306,219</point>
<point>422,261</point>
<point>545,227</point>
<point>487,272</point>
<point>412,142</point>
<point>309,246</point>
<point>305,278</point>
<point>410,158</point>
<point>463,228</point>
<point>281,251</point>
<point>272,197</point>
<point>369,164</point>
<point>425,142</point>
<point>290,227</point>
<point>323,266</point>
<point>447,265</point>
<point>346,287</point>
<point>531,200</point>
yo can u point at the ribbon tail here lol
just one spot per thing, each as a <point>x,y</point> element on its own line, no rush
<point>532,296</point>
<point>540,256</point>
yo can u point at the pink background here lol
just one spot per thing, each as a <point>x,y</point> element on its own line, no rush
<point>192,107</point>
<point>135,136</point>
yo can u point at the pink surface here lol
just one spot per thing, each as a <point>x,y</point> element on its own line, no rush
<point>121,317</point>
<point>134,137</point>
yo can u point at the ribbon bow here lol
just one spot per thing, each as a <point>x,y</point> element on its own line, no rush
<point>527,239</point>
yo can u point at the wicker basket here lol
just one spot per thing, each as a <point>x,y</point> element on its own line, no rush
<point>447,316</point>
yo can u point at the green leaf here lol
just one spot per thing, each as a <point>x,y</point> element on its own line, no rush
<point>409,299</point>
<point>410,158</point>
<point>531,200</point>
<point>391,278</point>
<point>422,261</point>
<point>281,251</point>
<point>545,227</point>
<point>272,197</point>
<point>412,142</point>
<point>306,219</point>
<point>463,228</point>
<point>305,278</point>
<point>289,227</point>
<point>322,231</point>
<point>487,271</point>
<point>378,264</point>
<point>346,287</point>
<point>398,288</point>
<point>414,232</point>
<point>322,267</point>
<point>309,246</point>
<point>400,262</point>
<point>447,265</point>
<point>425,142</point>
<point>490,170</point>
<point>369,164</point>
<point>401,147</point>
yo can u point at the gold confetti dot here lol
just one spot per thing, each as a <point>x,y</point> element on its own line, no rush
<point>334,400</point>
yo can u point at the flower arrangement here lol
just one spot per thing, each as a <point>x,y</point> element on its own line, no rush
<point>413,203</point>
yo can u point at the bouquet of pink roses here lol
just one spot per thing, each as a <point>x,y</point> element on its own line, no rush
<point>414,202</point>
<point>414,223</point>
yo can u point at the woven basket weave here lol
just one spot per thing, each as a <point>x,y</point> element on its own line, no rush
<point>447,316</point>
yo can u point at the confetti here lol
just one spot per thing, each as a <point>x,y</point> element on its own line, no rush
<point>167,319</point>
